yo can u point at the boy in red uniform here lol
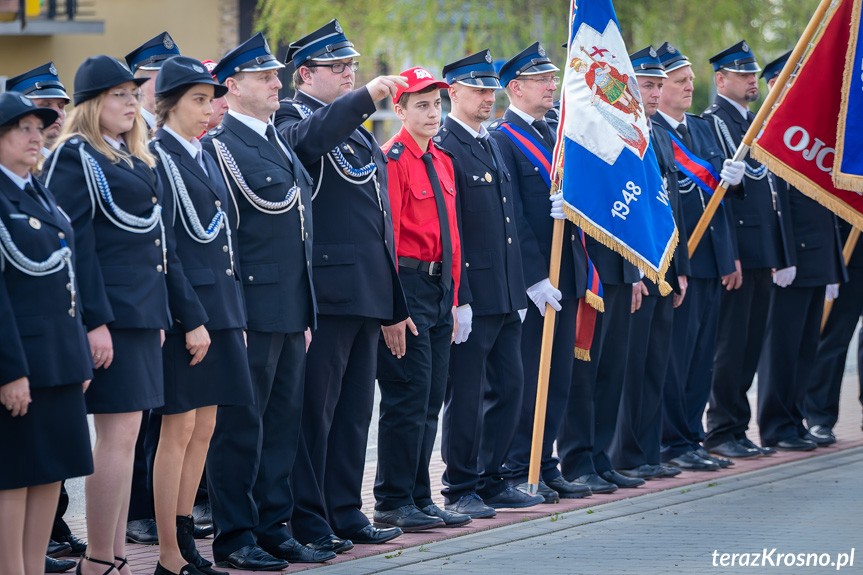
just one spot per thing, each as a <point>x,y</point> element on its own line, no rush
<point>412,367</point>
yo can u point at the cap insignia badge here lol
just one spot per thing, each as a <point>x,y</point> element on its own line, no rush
<point>52,69</point>
<point>197,69</point>
<point>266,47</point>
<point>541,51</point>
<point>671,49</point>
<point>488,56</point>
<point>652,52</point>
<point>745,47</point>
<point>339,28</point>
<point>168,42</point>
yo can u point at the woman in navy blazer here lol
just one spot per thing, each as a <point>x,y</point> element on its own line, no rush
<point>197,205</point>
<point>44,354</point>
<point>102,173</point>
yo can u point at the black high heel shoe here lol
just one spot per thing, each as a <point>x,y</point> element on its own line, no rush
<point>123,562</point>
<point>187,569</point>
<point>110,565</point>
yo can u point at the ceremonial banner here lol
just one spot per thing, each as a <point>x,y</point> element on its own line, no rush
<point>611,183</point>
<point>798,141</point>
<point>848,167</point>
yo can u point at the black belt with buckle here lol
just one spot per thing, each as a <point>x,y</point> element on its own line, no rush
<point>431,268</point>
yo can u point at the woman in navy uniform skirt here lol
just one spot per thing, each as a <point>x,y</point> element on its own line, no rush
<point>102,174</point>
<point>44,354</point>
<point>196,203</point>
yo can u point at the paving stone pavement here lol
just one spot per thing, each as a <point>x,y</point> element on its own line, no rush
<point>812,506</point>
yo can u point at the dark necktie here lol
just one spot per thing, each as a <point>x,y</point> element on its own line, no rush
<point>485,145</point>
<point>542,127</point>
<point>443,220</point>
<point>684,133</point>
<point>33,193</point>
<point>274,140</point>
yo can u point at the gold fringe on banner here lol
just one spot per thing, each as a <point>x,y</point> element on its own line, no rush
<point>612,244</point>
<point>582,354</point>
<point>595,301</point>
<point>853,182</point>
<point>807,186</point>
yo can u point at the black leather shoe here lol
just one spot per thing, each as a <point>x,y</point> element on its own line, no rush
<point>595,483</point>
<point>202,513</point>
<point>822,434</point>
<point>795,444</point>
<point>202,531</point>
<point>58,565</point>
<point>471,505</point>
<point>643,471</point>
<point>58,549</point>
<point>745,442</point>
<point>252,558</point>
<point>78,546</point>
<point>720,461</point>
<point>613,476</point>
<point>142,532</point>
<point>293,551</point>
<point>370,535</point>
<point>450,518</point>
<point>670,471</point>
<point>512,498</point>
<point>331,543</point>
<point>690,461</point>
<point>548,494</point>
<point>733,449</point>
<point>567,489</point>
<point>408,518</point>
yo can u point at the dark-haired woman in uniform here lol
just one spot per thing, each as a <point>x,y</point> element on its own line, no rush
<point>102,174</point>
<point>197,206</point>
<point>44,353</point>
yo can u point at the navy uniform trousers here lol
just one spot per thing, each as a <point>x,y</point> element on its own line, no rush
<point>412,392</point>
<point>594,399</point>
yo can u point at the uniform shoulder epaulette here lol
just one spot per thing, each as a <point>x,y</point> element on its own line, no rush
<point>442,149</point>
<point>712,108</point>
<point>496,124</point>
<point>217,131</point>
<point>395,152</point>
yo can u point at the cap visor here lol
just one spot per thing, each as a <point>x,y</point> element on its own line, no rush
<point>652,73</point>
<point>268,65</point>
<point>482,82</point>
<point>47,115</point>
<point>543,68</point>
<point>339,54</point>
<point>749,68</point>
<point>677,65</point>
<point>49,93</point>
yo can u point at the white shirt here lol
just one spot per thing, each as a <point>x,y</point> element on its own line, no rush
<point>307,95</point>
<point>116,144</point>
<point>16,179</point>
<point>526,117</point>
<point>483,133</point>
<point>258,127</point>
<point>671,121</point>
<point>743,111</point>
<point>193,146</point>
<point>149,118</point>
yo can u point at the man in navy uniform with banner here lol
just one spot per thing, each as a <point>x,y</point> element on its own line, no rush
<point>253,447</point>
<point>635,450</point>
<point>357,285</point>
<point>762,224</point>
<point>483,396</point>
<point>794,320</point>
<point>526,143</point>
<point>700,160</point>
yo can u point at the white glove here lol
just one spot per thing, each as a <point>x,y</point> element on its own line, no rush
<point>522,313</point>
<point>464,313</point>
<point>785,276</point>
<point>832,292</point>
<point>542,293</point>
<point>732,172</point>
<point>557,206</point>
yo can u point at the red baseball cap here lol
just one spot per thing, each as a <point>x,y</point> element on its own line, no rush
<point>418,79</point>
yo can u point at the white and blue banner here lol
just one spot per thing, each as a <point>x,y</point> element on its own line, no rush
<point>610,180</point>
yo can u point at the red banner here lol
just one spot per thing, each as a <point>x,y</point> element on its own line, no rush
<point>798,142</point>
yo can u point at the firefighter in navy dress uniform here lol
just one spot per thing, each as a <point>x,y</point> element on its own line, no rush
<point>483,396</point>
<point>357,285</point>
<point>530,83</point>
<point>205,367</point>
<point>44,352</point>
<point>103,177</point>
<point>253,447</point>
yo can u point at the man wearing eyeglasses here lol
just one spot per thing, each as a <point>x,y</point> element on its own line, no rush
<point>357,285</point>
<point>530,83</point>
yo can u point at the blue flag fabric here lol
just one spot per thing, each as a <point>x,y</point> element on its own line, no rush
<point>848,165</point>
<point>611,183</point>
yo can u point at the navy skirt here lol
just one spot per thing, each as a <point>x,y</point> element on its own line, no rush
<point>222,377</point>
<point>134,380</point>
<point>50,443</point>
